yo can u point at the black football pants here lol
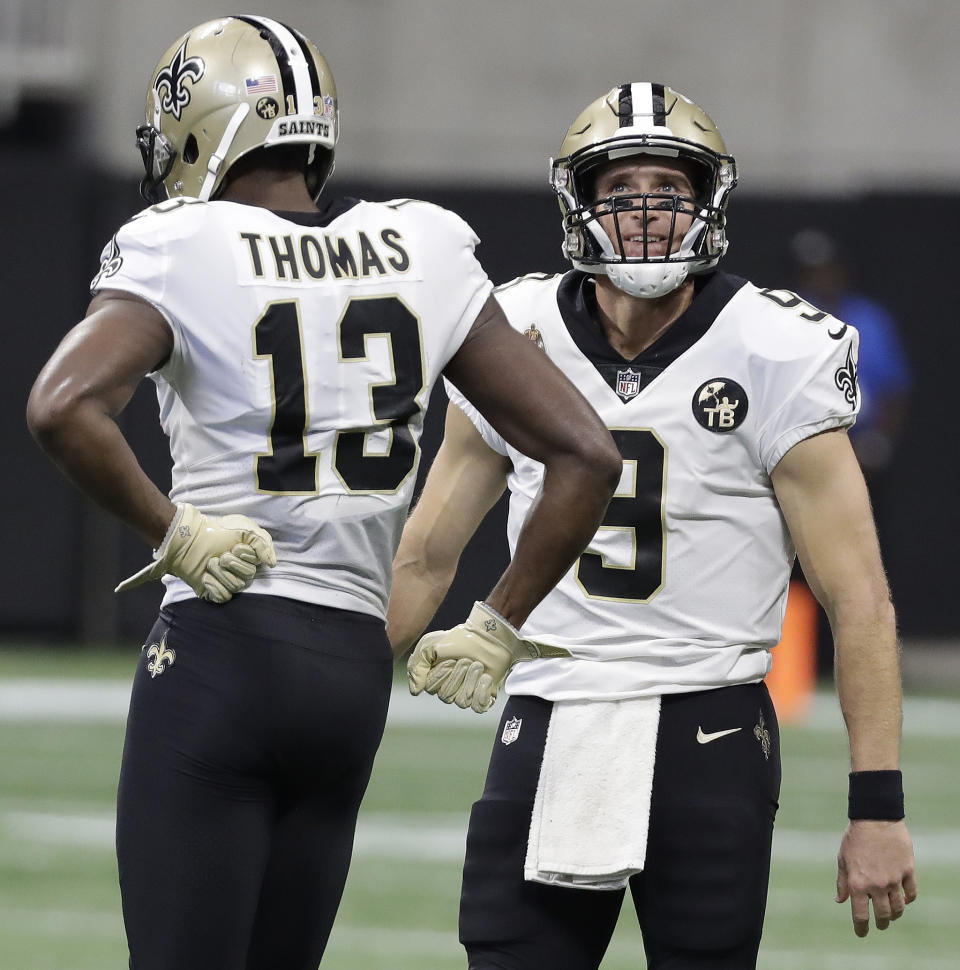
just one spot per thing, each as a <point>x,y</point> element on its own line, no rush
<point>700,900</point>
<point>251,736</point>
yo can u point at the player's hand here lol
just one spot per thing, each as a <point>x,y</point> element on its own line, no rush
<point>466,665</point>
<point>215,556</point>
<point>875,864</point>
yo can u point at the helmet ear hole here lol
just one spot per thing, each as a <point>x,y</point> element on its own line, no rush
<point>191,150</point>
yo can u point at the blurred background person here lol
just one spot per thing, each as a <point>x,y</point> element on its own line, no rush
<point>821,273</point>
<point>822,277</point>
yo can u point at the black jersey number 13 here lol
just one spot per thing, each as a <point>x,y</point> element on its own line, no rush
<point>289,468</point>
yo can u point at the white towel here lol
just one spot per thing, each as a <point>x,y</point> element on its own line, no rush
<point>592,809</point>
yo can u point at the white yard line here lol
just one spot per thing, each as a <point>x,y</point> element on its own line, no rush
<point>76,924</point>
<point>922,716</point>
<point>36,699</point>
<point>438,838</point>
<point>42,699</point>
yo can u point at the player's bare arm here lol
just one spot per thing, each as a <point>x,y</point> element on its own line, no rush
<point>465,480</point>
<point>529,401</point>
<point>820,488</point>
<point>80,392</point>
<point>72,413</point>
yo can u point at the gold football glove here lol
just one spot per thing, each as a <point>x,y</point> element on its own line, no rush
<point>466,665</point>
<point>215,556</point>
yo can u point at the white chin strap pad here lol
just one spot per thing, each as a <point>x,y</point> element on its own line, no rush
<point>646,280</point>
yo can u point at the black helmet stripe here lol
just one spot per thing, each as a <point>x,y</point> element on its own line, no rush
<point>659,104</point>
<point>642,99</point>
<point>300,90</point>
<point>625,105</point>
<point>311,64</point>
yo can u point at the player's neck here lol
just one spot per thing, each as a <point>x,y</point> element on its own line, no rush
<point>632,324</point>
<point>279,191</point>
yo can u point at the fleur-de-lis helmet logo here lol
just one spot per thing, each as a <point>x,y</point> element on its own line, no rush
<point>170,83</point>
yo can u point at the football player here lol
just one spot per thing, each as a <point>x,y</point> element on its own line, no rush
<point>293,343</point>
<point>647,757</point>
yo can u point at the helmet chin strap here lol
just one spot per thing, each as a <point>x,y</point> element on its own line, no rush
<point>216,159</point>
<point>646,281</point>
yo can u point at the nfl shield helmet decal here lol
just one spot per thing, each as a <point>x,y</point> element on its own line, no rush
<point>720,405</point>
<point>511,730</point>
<point>628,383</point>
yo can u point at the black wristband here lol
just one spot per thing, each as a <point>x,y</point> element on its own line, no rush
<point>876,795</point>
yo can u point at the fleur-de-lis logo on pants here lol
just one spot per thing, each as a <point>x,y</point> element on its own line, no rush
<point>170,86</point>
<point>161,656</point>
<point>761,733</point>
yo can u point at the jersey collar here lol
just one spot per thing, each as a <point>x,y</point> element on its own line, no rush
<point>325,214</point>
<point>576,301</point>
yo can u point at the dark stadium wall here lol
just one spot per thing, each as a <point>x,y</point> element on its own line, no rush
<point>63,556</point>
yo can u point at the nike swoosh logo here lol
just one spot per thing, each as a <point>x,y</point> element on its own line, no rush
<point>707,738</point>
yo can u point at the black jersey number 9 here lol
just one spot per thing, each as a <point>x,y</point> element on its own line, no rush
<point>288,468</point>
<point>638,513</point>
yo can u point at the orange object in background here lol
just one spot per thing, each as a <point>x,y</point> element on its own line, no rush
<point>793,677</point>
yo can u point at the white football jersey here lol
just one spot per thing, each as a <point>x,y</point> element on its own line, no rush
<point>684,585</point>
<point>305,349</point>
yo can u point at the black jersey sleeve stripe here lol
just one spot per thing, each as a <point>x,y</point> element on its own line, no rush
<point>287,80</point>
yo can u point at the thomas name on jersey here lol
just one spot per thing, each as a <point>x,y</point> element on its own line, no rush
<point>312,256</point>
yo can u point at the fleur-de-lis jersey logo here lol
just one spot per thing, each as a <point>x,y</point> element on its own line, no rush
<point>110,263</point>
<point>761,733</point>
<point>846,378</point>
<point>170,83</point>
<point>161,656</point>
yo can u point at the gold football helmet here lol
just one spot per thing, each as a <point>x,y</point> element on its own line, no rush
<point>225,88</point>
<point>643,119</point>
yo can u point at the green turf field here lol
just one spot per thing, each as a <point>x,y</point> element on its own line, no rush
<point>61,730</point>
